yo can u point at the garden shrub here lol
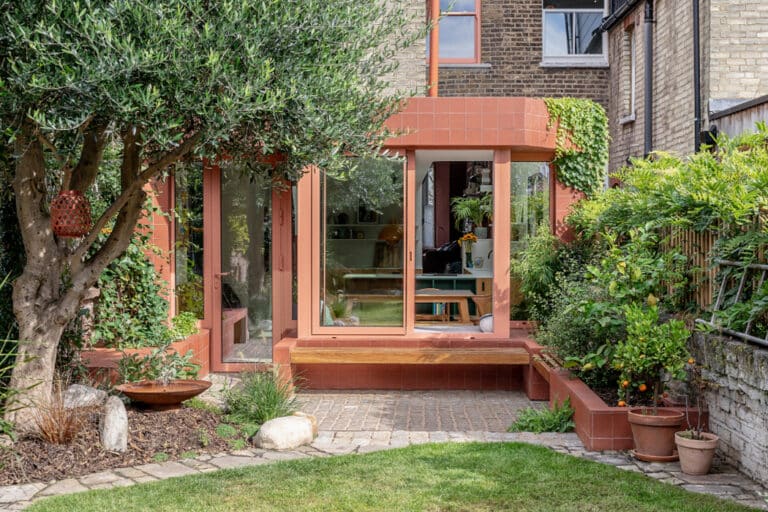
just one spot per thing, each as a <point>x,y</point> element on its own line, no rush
<point>132,310</point>
<point>260,397</point>
<point>162,363</point>
<point>557,419</point>
<point>535,268</point>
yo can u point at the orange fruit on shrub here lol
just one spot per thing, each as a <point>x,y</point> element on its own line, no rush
<point>691,361</point>
<point>642,387</point>
<point>622,403</point>
<point>625,384</point>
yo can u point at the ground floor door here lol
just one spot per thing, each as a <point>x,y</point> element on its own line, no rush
<point>248,230</point>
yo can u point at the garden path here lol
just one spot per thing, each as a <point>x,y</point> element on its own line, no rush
<point>362,422</point>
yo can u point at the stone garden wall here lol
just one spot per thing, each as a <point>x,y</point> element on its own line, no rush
<point>737,400</point>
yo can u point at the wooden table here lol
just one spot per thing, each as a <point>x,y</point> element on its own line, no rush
<point>458,297</point>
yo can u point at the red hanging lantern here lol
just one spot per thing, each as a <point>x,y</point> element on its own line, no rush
<point>70,214</point>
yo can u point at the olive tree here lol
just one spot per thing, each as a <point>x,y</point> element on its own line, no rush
<point>167,80</point>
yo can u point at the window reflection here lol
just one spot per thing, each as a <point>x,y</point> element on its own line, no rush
<point>362,246</point>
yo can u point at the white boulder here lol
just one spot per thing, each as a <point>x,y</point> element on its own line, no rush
<point>78,395</point>
<point>284,433</point>
<point>113,426</point>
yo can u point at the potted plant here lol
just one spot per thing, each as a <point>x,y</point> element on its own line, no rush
<point>651,350</point>
<point>695,447</point>
<point>475,210</point>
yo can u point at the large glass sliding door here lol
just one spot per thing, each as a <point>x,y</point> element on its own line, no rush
<point>246,270</point>
<point>361,238</point>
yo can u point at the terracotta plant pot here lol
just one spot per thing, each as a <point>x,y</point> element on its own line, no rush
<point>696,454</point>
<point>653,431</point>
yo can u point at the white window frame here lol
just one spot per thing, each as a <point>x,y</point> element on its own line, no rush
<point>573,61</point>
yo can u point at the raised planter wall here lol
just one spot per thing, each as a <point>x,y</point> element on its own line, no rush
<point>102,362</point>
<point>598,425</point>
<point>738,401</point>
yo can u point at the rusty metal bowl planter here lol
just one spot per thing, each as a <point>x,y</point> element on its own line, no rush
<point>162,396</point>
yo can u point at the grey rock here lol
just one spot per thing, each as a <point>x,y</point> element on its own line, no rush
<point>113,427</point>
<point>284,433</point>
<point>78,395</point>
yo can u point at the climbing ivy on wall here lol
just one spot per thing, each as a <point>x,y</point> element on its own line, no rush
<point>581,153</point>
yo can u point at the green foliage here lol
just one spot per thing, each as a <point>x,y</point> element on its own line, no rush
<point>536,268</point>
<point>260,397</point>
<point>162,363</point>
<point>131,310</point>
<point>11,245</point>
<point>160,457</point>
<point>557,419</point>
<point>582,142</point>
<point>183,326</point>
<point>225,431</point>
<point>651,348</point>
<point>7,394</point>
<point>308,78</point>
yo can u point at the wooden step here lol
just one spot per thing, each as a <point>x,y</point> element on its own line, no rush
<point>409,355</point>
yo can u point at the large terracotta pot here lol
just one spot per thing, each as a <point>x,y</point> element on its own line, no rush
<point>696,454</point>
<point>653,431</point>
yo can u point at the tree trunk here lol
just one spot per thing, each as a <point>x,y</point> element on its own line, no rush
<point>39,336</point>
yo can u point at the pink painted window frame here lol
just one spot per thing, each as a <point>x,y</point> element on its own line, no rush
<point>308,248</point>
<point>477,17</point>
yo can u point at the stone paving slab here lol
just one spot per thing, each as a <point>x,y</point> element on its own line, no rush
<point>342,417</point>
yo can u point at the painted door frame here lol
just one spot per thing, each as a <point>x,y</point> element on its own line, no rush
<point>309,259</point>
<point>281,266</point>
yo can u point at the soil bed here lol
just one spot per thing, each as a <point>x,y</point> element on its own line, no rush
<point>153,436</point>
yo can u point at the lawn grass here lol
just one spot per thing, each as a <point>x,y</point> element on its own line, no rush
<point>431,477</point>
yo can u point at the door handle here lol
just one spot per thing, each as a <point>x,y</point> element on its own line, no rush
<point>217,279</point>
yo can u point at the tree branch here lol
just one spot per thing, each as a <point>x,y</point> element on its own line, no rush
<point>29,186</point>
<point>87,273</point>
<point>143,177</point>
<point>87,168</point>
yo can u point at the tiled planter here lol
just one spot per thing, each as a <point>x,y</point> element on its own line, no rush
<point>598,425</point>
<point>102,362</point>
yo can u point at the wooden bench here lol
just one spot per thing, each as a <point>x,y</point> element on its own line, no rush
<point>409,355</point>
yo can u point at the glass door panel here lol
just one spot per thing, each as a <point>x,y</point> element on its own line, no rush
<point>454,277</point>
<point>529,212</point>
<point>246,273</point>
<point>362,246</point>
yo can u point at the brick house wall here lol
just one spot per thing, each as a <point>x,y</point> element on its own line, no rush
<point>411,62</point>
<point>734,68</point>
<point>737,56</point>
<point>673,112</point>
<point>511,55</point>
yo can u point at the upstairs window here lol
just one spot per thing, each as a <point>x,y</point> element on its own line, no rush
<point>459,32</point>
<point>570,36</point>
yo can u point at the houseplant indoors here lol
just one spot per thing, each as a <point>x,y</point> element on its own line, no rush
<point>474,209</point>
<point>695,447</point>
<point>651,350</point>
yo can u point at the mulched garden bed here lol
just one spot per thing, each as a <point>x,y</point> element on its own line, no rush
<point>153,436</point>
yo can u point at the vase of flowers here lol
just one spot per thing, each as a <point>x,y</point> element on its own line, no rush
<point>466,242</point>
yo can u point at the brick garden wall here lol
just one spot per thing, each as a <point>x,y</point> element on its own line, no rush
<point>511,53</point>
<point>738,400</point>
